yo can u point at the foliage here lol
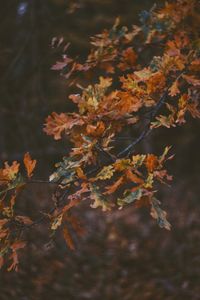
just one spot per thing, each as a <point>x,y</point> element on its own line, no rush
<point>130,89</point>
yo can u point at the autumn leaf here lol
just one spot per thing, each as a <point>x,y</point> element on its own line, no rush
<point>99,199</point>
<point>174,89</point>
<point>1,261</point>
<point>131,197</point>
<point>57,222</point>
<point>68,238</point>
<point>112,188</point>
<point>151,162</point>
<point>192,80</point>
<point>128,59</point>
<point>18,245</point>
<point>76,225</point>
<point>163,157</point>
<point>29,164</point>
<point>133,177</point>
<point>14,256</point>
<point>24,219</point>
<point>59,65</point>
<point>106,173</point>
<point>122,164</point>
<point>149,181</point>
<point>104,83</point>
<point>159,214</point>
<point>57,123</point>
<point>96,130</point>
<point>9,172</point>
<point>138,160</point>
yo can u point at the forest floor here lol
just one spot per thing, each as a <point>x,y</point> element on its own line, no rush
<point>123,255</point>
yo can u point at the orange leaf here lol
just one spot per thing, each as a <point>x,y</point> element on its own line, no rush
<point>24,219</point>
<point>29,164</point>
<point>9,172</point>
<point>191,80</point>
<point>128,59</point>
<point>174,90</point>
<point>112,188</point>
<point>95,130</point>
<point>57,123</point>
<point>18,245</point>
<point>76,225</point>
<point>1,261</point>
<point>131,176</point>
<point>68,238</point>
<point>151,162</point>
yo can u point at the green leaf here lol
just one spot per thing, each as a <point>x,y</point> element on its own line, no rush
<point>159,214</point>
<point>99,199</point>
<point>130,198</point>
<point>16,183</point>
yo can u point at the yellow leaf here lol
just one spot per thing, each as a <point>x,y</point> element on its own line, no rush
<point>57,222</point>
<point>9,173</point>
<point>106,173</point>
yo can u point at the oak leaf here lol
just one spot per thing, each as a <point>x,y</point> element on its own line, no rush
<point>57,123</point>
<point>174,89</point>
<point>159,214</point>
<point>29,164</point>
<point>9,172</point>
<point>151,162</point>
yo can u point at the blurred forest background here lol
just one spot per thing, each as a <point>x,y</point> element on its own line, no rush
<point>123,255</point>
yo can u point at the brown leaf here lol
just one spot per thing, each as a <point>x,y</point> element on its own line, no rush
<point>1,261</point>
<point>174,89</point>
<point>112,188</point>
<point>95,130</point>
<point>192,80</point>
<point>57,123</point>
<point>128,59</point>
<point>68,238</point>
<point>151,162</point>
<point>9,172</point>
<point>77,226</point>
<point>133,177</point>
<point>15,262</point>
<point>24,219</point>
<point>29,164</point>
<point>18,245</point>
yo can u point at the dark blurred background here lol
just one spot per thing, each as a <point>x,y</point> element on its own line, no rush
<point>123,255</point>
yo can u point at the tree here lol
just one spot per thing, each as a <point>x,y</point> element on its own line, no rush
<point>141,79</point>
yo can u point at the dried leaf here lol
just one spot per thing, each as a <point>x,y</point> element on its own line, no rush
<point>9,173</point>
<point>99,199</point>
<point>174,89</point>
<point>151,162</point>
<point>192,80</point>
<point>112,188</point>
<point>57,123</point>
<point>130,198</point>
<point>68,238</point>
<point>133,177</point>
<point>57,222</point>
<point>106,173</point>
<point>159,214</point>
<point>29,164</point>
